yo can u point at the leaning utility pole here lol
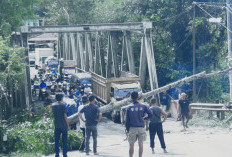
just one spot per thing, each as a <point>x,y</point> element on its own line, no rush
<point>229,28</point>
<point>194,52</point>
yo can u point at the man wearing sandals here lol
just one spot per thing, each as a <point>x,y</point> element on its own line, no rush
<point>135,122</point>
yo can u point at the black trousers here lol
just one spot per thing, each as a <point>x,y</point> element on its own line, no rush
<point>153,129</point>
<point>82,146</point>
<point>74,126</point>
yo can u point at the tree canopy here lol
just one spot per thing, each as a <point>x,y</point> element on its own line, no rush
<point>172,32</point>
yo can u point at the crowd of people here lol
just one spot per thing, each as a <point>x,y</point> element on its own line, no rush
<point>90,116</point>
<point>139,119</point>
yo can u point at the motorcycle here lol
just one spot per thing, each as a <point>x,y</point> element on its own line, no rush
<point>44,94</point>
<point>36,88</point>
<point>49,84</point>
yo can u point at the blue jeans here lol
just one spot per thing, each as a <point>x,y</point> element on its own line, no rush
<point>58,132</point>
<point>153,129</point>
<point>88,131</point>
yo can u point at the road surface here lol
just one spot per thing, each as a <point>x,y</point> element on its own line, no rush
<point>193,142</point>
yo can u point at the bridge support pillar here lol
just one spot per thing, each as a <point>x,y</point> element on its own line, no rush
<point>88,53</point>
<point>143,64</point>
<point>151,62</point>
<point>28,95</point>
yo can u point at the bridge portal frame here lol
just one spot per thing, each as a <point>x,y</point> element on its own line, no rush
<point>96,64</point>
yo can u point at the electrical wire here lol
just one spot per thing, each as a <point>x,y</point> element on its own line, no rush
<point>214,17</point>
<point>222,7</point>
<point>210,5</point>
<point>183,41</point>
<point>228,9</point>
<point>172,17</point>
<point>218,3</point>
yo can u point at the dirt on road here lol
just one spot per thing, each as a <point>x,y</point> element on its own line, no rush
<point>192,142</point>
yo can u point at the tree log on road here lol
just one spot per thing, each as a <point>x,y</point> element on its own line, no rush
<point>111,106</point>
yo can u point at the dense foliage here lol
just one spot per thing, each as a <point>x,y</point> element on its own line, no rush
<point>172,41</point>
<point>13,13</point>
<point>35,134</point>
<point>12,77</point>
<point>172,31</point>
<point>172,35</point>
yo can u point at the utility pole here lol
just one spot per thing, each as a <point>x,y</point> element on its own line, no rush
<point>229,26</point>
<point>194,51</point>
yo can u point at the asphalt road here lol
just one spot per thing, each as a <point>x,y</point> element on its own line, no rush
<point>193,142</point>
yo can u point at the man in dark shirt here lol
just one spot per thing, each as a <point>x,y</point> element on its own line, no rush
<point>165,100</point>
<point>155,125</point>
<point>184,108</point>
<point>61,124</point>
<point>135,118</point>
<point>92,116</point>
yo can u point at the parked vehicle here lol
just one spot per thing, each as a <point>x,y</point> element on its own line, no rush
<point>115,89</point>
<point>32,59</point>
<point>52,62</point>
<point>81,79</point>
<point>44,94</point>
<point>41,54</point>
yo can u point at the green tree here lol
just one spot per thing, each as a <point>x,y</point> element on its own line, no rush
<point>11,77</point>
<point>13,13</point>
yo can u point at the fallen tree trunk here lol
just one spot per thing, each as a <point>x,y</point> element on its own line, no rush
<point>111,106</point>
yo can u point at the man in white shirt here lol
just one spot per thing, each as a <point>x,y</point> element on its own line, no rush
<point>85,101</point>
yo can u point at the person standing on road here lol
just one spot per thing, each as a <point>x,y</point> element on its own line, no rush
<point>135,123</point>
<point>72,109</point>
<point>184,107</point>
<point>155,125</point>
<point>85,101</point>
<point>93,117</point>
<point>61,124</point>
<point>165,100</point>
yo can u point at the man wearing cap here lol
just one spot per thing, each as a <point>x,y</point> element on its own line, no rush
<point>85,101</point>
<point>135,122</point>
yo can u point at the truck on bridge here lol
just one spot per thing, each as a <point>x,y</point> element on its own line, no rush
<point>115,89</point>
<point>41,54</point>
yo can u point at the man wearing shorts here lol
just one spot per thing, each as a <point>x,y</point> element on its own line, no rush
<point>135,122</point>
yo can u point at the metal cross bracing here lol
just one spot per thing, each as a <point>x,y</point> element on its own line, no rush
<point>94,48</point>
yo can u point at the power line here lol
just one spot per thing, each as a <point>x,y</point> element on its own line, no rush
<point>172,17</point>
<point>228,9</point>
<point>211,5</point>
<point>217,3</point>
<point>214,17</point>
<point>222,7</point>
<point>214,4</point>
<point>183,42</point>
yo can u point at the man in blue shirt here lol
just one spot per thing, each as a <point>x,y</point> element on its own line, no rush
<point>135,122</point>
<point>61,124</point>
<point>165,100</point>
<point>92,116</point>
<point>72,109</point>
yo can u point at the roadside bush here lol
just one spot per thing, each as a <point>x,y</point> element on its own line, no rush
<point>204,120</point>
<point>38,137</point>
